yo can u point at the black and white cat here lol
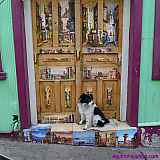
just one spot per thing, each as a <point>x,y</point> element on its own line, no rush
<point>90,113</point>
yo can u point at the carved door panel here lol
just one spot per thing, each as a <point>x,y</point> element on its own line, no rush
<point>49,97</point>
<point>110,99</point>
<point>68,96</point>
<point>42,15</point>
<point>109,95</point>
<point>66,23</point>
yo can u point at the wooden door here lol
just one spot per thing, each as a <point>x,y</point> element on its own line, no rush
<point>101,52</point>
<point>77,47</point>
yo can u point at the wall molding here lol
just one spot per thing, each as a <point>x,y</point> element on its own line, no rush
<point>134,62</point>
<point>156,44</point>
<point>30,60</point>
<point>125,56</point>
<point>21,62</point>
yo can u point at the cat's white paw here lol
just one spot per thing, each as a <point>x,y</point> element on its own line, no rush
<point>86,127</point>
<point>81,122</point>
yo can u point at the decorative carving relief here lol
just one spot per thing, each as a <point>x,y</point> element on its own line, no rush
<point>44,21</point>
<point>109,98</point>
<point>68,98</point>
<point>48,94</point>
<point>110,23</point>
<point>90,23</point>
<point>66,22</point>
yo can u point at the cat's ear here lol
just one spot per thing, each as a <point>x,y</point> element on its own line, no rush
<point>82,95</point>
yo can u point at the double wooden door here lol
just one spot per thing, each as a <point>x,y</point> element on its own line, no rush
<point>77,48</point>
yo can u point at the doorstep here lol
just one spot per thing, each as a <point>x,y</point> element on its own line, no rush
<point>112,126</point>
<point>114,134</point>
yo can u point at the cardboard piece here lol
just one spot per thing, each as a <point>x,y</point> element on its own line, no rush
<point>84,138</point>
<point>62,137</point>
<point>62,133</point>
<point>106,139</point>
<point>126,138</point>
<point>40,133</point>
<point>27,135</point>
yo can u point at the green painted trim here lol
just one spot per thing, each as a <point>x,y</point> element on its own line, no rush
<point>149,100</point>
<point>149,124</point>
<point>9,103</point>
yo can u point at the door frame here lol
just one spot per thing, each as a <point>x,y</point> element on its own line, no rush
<point>133,67</point>
<point>124,59</point>
<point>134,62</point>
<point>21,62</point>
